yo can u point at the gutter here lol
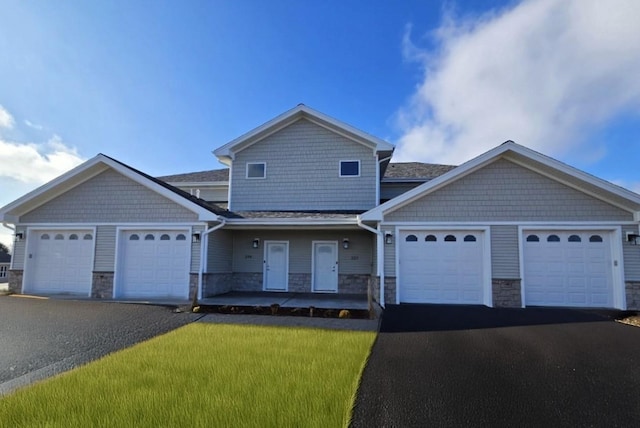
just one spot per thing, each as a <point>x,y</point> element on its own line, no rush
<point>379,254</point>
<point>204,243</point>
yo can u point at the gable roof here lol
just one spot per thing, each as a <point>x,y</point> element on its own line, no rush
<point>418,171</point>
<point>211,176</point>
<point>523,156</point>
<point>226,153</point>
<point>95,166</point>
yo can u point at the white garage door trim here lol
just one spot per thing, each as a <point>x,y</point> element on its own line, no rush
<point>614,235</point>
<point>487,298</point>
<point>83,282</point>
<point>119,266</point>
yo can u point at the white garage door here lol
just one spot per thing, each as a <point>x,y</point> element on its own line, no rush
<point>568,268</point>
<point>59,261</point>
<point>441,267</point>
<point>153,264</point>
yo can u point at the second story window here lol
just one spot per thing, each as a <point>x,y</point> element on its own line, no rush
<point>350,168</point>
<point>256,170</point>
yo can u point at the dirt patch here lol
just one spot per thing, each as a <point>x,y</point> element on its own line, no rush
<point>631,319</point>
<point>276,310</point>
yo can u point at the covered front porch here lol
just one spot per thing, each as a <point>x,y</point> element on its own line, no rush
<point>289,300</point>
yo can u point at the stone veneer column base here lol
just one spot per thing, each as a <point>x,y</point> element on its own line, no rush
<point>102,285</point>
<point>506,293</point>
<point>633,295</point>
<point>193,285</point>
<point>15,280</point>
<point>389,290</point>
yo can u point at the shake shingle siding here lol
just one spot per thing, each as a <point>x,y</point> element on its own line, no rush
<point>302,172</point>
<point>504,191</point>
<point>505,262</point>
<point>109,197</point>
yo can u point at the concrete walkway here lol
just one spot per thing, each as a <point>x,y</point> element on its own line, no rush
<point>291,321</point>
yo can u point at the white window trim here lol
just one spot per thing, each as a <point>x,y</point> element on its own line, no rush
<point>255,178</point>
<point>348,160</point>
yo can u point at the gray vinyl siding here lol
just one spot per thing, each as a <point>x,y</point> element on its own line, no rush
<point>302,172</point>
<point>631,254</point>
<point>358,259</point>
<point>390,256</point>
<point>220,252</point>
<point>504,191</point>
<point>195,250</point>
<point>505,260</point>
<point>391,190</point>
<point>217,194</point>
<point>109,197</point>
<point>19,249</point>
<point>105,249</point>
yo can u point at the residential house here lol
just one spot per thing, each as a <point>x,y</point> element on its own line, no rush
<point>310,204</point>
<point>5,263</point>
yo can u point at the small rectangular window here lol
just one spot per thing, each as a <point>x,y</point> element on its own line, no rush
<point>350,168</point>
<point>256,170</point>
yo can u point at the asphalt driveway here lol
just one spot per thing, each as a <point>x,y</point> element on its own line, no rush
<point>40,338</point>
<point>475,366</point>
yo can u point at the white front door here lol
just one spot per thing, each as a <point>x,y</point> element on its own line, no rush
<point>276,265</point>
<point>325,266</point>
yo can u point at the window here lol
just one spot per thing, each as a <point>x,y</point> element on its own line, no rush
<point>59,237</point>
<point>575,238</point>
<point>533,238</point>
<point>469,238</point>
<point>411,238</point>
<point>449,238</point>
<point>165,237</point>
<point>149,237</point>
<point>595,238</point>
<point>88,237</point>
<point>3,271</point>
<point>553,238</point>
<point>430,238</point>
<point>256,170</point>
<point>45,236</point>
<point>181,237</point>
<point>350,168</point>
<point>73,237</point>
<point>134,237</point>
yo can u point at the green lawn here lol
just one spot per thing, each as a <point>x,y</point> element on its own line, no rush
<point>211,375</point>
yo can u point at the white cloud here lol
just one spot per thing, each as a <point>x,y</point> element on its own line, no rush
<point>6,120</point>
<point>37,163</point>
<point>33,125</point>
<point>543,73</point>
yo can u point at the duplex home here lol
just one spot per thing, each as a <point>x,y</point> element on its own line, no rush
<point>308,203</point>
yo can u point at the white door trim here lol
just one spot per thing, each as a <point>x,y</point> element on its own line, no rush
<point>313,266</point>
<point>29,250</point>
<point>619,294</point>
<point>265,262</point>
<point>486,256</point>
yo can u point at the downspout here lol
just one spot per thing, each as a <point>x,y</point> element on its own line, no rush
<point>203,246</point>
<point>379,254</point>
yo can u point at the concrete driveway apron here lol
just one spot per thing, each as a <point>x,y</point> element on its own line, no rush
<point>475,366</point>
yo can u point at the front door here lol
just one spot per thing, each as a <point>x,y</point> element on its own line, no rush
<point>276,265</point>
<point>325,266</point>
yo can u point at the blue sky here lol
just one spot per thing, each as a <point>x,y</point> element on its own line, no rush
<point>160,84</point>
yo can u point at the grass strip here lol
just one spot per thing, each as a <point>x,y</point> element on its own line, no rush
<point>206,375</point>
